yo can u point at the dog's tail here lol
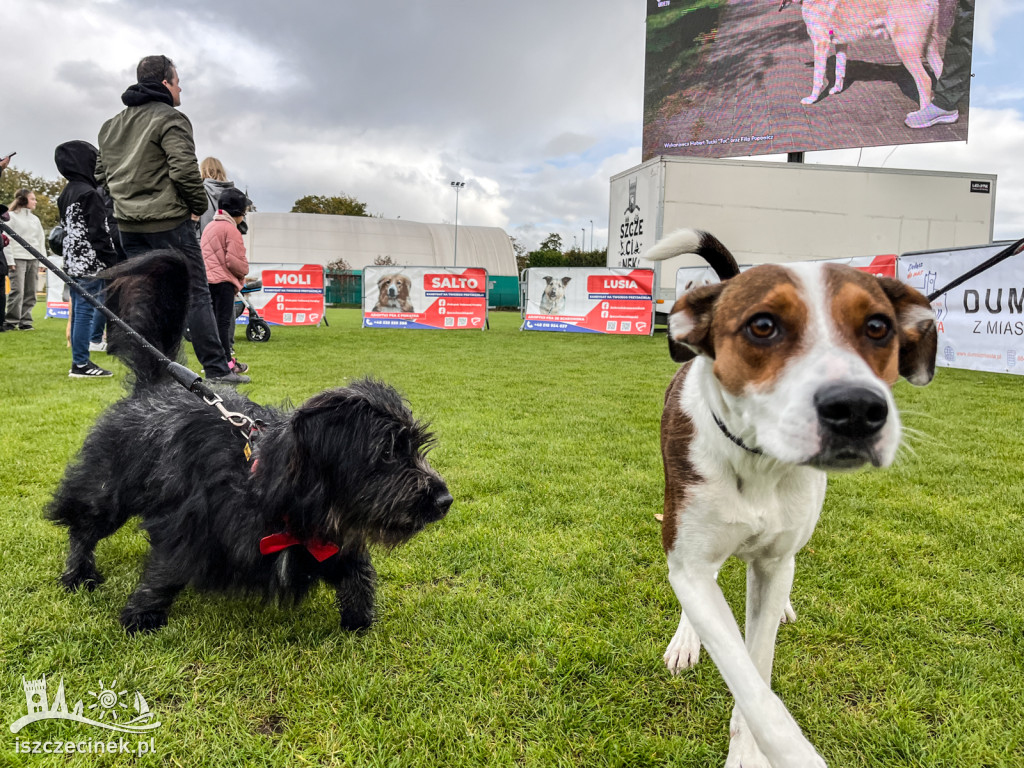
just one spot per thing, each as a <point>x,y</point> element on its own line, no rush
<point>704,244</point>
<point>150,293</point>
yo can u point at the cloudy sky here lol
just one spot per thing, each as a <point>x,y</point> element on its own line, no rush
<point>535,104</point>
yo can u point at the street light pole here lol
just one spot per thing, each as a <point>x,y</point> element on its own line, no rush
<point>457,185</point>
<point>591,234</point>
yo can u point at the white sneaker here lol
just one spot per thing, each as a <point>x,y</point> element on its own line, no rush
<point>97,346</point>
<point>931,115</point>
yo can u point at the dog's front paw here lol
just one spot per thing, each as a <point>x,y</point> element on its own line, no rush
<point>788,614</point>
<point>809,99</point>
<point>356,621</point>
<point>798,753</point>
<point>744,752</point>
<point>87,577</point>
<point>683,651</point>
<point>806,757</point>
<point>837,88</point>
<point>135,621</point>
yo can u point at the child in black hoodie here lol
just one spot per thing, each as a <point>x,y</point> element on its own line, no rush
<point>87,248</point>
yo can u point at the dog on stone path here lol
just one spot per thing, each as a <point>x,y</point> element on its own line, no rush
<point>345,470</point>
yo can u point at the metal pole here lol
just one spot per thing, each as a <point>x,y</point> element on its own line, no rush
<point>591,234</point>
<point>457,185</point>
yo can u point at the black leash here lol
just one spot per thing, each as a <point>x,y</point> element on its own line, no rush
<point>991,262</point>
<point>190,380</point>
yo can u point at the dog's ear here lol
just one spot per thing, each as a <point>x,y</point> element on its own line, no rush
<point>916,330</point>
<point>382,280</point>
<point>314,426</point>
<point>548,279</point>
<point>565,281</point>
<point>689,324</point>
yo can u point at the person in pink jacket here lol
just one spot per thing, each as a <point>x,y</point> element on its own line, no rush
<point>226,266</point>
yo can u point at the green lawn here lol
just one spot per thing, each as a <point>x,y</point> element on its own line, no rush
<point>527,628</point>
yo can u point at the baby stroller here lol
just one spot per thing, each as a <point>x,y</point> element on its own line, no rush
<point>258,329</point>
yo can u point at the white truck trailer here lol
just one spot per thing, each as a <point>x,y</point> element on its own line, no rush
<point>780,212</point>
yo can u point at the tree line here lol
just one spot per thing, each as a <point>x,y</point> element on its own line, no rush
<point>551,254</point>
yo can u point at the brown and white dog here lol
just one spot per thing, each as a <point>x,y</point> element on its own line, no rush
<point>911,24</point>
<point>393,294</point>
<point>788,374</point>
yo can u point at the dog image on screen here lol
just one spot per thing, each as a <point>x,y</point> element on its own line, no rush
<point>552,298</point>
<point>393,294</point>
<point>297,497</point>
<point>912,25</point>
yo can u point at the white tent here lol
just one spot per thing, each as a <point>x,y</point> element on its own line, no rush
<point>310,238</point>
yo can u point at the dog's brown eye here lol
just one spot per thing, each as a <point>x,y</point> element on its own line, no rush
<point>877,328</point>
<point>762,327</point>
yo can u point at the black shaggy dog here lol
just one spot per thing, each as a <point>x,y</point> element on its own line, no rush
<point>344,470</point>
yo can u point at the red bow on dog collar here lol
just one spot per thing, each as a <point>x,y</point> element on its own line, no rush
<point>275,542</point>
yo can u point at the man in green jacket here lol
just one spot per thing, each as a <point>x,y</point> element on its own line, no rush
<point>147,161</point>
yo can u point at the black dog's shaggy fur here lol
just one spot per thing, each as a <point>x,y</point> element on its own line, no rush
<point>346,468</point>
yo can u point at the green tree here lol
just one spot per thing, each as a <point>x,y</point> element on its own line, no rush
<point>340,205</point>
<point>578,258</point>
<point>522,257</point>
<point>46,191</point>
<point>553,242</point>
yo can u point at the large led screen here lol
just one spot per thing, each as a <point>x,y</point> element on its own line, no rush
<point>728,78</point>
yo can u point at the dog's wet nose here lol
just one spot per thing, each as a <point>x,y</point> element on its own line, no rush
<point>851,412</point>
<point>442,502</point>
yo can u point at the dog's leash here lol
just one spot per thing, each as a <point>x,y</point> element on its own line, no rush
<point>190,380</point>
<point>1004,254</point>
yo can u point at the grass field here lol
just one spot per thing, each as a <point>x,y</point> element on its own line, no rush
<point>527,627</point>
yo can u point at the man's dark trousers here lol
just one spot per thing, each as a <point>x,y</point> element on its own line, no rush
<point>201,323</point>
<point>953,87</point>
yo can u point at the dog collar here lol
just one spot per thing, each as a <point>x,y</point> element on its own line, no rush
<point>275,542</point>
<point>731,436</point>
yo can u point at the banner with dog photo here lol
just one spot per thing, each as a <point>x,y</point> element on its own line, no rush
<point>981,322</point>
<point>688,278</point>
<point>590,300</point>
<point>291,294</point>
<point>58,301</point>
<point>445,298</point>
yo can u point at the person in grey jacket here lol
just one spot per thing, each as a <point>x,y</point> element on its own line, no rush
<point>147,162</point>
<point>215,183</point>
<point>23,265</point>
